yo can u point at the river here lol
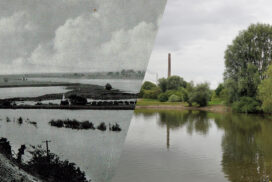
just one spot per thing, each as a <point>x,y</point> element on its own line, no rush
<point>132,86</point>
<point>95,152</point>
<point>191,146</point>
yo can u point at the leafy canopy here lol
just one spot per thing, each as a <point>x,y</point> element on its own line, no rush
<point>265,91</point>
<point>246,60</point>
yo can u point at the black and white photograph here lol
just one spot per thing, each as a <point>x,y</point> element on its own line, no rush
<point>70,74</point>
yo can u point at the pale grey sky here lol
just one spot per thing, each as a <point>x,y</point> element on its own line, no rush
<point>197,33</point>
<point>77,35</point>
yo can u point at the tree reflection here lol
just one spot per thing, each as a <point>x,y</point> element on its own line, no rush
<point>247,147</point>
<point>246,143</point>
<point>194,121</point>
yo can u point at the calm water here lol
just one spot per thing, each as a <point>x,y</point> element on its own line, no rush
<point>186,146</point>
<point>95,152</point>
<point>132,86</point>
<point>29,91</point>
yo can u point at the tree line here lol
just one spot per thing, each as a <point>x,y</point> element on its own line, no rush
<point>247,85</point>
<point>176,89</point>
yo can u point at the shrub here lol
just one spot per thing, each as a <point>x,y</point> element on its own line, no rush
<point>246,105</point>
<point>163,84</point>
<point>148,85</point>
<point>53,168</point>
<point>174,98</point>
<point>200,95</point>
<point>87,125</point>
<point>163,97</point>
<point>174,82</point>
<point>141,93</point>
<point>184,94</point>
<point>152,94</point>
<point>77,100</point>
<point>102,127</point>
<point>116,127</point>
<point>58,123</point>
<point>5,147</point>
<point>108,86</point>
<point>218,90</point>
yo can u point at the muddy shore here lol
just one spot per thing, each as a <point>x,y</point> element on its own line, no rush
<point>215,108</point>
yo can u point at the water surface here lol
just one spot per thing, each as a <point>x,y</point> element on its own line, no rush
<point>132,86</point>
<point>191,146</point>
<point>29,91</point>
<point>95,152</point>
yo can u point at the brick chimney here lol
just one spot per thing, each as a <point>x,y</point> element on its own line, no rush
<point>169,64</point>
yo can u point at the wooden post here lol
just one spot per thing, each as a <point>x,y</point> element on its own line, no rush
<point>47,147</point>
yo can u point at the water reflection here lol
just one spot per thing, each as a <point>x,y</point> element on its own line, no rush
<point>246,142</point>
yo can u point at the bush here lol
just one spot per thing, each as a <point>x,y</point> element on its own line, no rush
<point>201,95</point>
<point>77,100</point>
<point>174,98</point>
<point>53,168</point>
<point>163,97</point>
<point>148,85</point>
<point>5,147</point>
<point>102,127</point>
<point>141,93</point>
<point>184,94</point>
<point>218,90</point>
<point>246,105</point>
<point>174,82</point>
<point>163,84</point>
<point>152,94</point>
<point>108,86</point>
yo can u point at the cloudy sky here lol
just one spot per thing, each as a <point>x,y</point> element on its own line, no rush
<point>77,35</point>
<point>197,33</point>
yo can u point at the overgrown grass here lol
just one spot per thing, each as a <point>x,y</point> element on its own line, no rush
<point>216,101</point>
<point>154,102</point>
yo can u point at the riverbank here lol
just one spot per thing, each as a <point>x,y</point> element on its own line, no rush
<point>154,104</point>
<point>72,107</point>
<point>10,172</point>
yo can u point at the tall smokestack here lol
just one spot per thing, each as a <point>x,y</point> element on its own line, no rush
<point>169,64</point>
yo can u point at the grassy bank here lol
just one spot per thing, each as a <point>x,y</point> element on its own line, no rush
<point>151,102</point>
<point>155,104</point>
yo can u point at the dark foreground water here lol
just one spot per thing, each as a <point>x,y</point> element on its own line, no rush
<point>192,146</point>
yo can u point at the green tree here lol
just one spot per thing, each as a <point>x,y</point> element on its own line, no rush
<point>174,82</point>
<point>265,91</point>
<point>148,85</point>
<point>174,98</point>
<point>246,105</point>
<point>218,90</point>
<point>246,60</point>
<point>163,97</point>
<point>163,84</point>
<point>152,94</point>
<point>201,94</point>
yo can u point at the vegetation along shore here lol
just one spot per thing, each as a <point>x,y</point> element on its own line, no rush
<point>247,85</point>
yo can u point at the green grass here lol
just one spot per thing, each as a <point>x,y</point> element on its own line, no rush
<point>216,101</point>
<point>153,102</point>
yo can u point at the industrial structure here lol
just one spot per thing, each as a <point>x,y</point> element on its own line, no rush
<point>169,65</point>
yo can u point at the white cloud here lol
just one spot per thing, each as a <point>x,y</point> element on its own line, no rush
<point>86,43</point>
<point>90,35</point>
<point>15,31</point>
<point>197,33</point>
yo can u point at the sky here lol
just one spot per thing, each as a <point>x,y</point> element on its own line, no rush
<point>197,32</point>
<point>77,35</point>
